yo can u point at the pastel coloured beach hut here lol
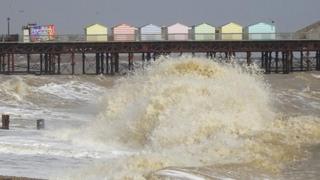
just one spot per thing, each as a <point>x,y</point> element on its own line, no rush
<point>231,31</point>
<point>150,32</point>
<point>204,32</point>
<point>124,32</point>
<point>178,32</point>
<point>96,32</point>
<point>260,31</point>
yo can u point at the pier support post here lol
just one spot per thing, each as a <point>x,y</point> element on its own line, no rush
<point>46,63</point>
<point>28,63</point>
<point>97,63</point>
<point>83,63</point>
<point>148,56</point>
<point>262,60</point>
<point>301,60</point>
<point>5,121</point>
<point>8,63</point>
<point>59,64</point>
<point>107,63</point>
<point>101,63</point>
<point>12,63</point>
<point>318,60</point>
<point>72,63</point>
<point>112,64</point>
<point>290,61</point>
<point>117,62</point>
<point>249,58</point>
<point>130,61</point>
<point>41,63</point>
<point>1,62</point>
<point>308,61</point>
<point>277,61</point>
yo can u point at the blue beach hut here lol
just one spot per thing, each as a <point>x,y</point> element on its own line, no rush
<point>260,31</point>
<point>150,32</point>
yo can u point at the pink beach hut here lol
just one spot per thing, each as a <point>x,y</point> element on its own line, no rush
<point>124,32</point>
<point>178,32</point>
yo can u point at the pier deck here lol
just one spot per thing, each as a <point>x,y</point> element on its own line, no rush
<point>279,56</point>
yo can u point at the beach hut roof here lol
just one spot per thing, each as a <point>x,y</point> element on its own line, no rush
<point>270,24</point>
<point>230,23</point>
<point>123,24</point>
<point>202,24</point>
<point>178,24</point>
<point>311,27</point>
<point>90,25</point>
<point>150,25</point>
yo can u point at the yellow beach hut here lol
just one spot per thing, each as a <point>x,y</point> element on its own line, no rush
<point>231,31</point>
<point>96,32</point>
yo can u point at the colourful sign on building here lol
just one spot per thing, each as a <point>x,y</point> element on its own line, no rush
<point>42,33</point>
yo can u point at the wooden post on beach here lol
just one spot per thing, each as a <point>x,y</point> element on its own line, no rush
<point>5,121</point>
<point>40,124</point>
<point>277,61</point>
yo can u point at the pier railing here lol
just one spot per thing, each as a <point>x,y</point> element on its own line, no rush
<point>161,37</point>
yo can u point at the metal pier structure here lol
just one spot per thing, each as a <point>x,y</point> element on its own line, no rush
<point>52,58</point>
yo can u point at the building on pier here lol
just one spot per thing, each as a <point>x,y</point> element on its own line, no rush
<point>310,32</point>
<point>260,31</point>
<point>96,33</point>
<point>230,31</point>
<point>124,32</point>
<point>178,32</point>
<point>204,32</point>
<point>151,32</point>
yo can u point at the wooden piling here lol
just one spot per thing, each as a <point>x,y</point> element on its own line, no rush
<point>277,62</point>
<point>28,62</point>
<point>59,64</point>
<point>40,124</point>
<point>301,60</point>
<point>0,62</point>
<point>101,63</point>
<point>3,63</point>
<point>107,63</point>
<point>318,60</point>
<point>83,63</point>
<point>72,63</point>
<point>97,63</point>
<point>5,121</point>
<point>41,63</point>
<point>130,61</point>
<point>308,61</point>
<point>249,58</point>
<point>117,62</point>
<point>12,63</point>
<point>46,63</point>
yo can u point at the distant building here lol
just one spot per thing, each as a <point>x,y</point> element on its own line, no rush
<point>260,31</point>
<point>150,32</point>
<point>96,32</point>
<point>310,32</point>
<point>231,31</point>
<point>178,32</point>
<point>204,32</point>
<point>124,32</point>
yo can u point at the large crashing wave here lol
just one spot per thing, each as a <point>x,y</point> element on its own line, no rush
<point>193,112</point>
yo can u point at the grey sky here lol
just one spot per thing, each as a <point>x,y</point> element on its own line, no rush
<point>70,16</point>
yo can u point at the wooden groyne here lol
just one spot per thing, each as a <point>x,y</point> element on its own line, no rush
<point>51,58</point>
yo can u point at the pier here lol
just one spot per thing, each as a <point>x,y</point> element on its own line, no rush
<point>53,58</point>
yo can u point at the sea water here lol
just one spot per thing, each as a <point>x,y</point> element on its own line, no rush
<point>177,118</point>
